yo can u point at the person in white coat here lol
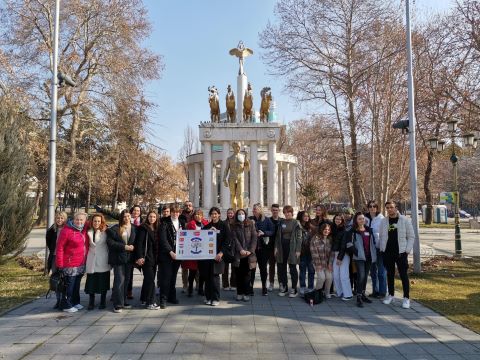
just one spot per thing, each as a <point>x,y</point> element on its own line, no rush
<point>396,242</point>
<point>378,273</point>
<point>97,267</point>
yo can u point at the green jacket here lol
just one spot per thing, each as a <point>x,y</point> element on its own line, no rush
<point>295,243</point>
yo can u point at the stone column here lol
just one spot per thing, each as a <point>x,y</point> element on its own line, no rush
<point>191,182</point>
<point>260,181</point>
<point>196,190</point>
<point>272,186</point>
<point>293,185</point>
<point>286,177</point>
<point>214,184</point>
<point>207,175</point>
<point>281,200</point>
<point>254,178</point>
<point>225,192</point>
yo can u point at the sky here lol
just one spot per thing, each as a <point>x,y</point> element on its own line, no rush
<point>194,38</point>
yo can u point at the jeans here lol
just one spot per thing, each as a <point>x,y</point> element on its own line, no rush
<point>121,278</point>
<point>379,275</point>
<point>341,276</point>
<point>71,296</point>
<point>363,268</point>
<point>402,266</point>
<point>167,279</point>
<point>243,277</point>
<point>262,259</point>
<point>212,280</point>
<point>282,275</point>
<point>306,265</point>
<point>148,287</point>
<point>271,266</point>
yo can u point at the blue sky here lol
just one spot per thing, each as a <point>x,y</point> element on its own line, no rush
<point>194,38</point>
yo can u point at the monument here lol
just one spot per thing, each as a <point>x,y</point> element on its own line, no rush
<point>238,164</point>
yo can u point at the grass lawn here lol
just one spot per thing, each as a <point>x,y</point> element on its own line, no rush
<point>18,284</point>
<point>450,287</point>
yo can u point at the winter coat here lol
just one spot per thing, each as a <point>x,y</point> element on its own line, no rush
<point>374,224</point>
<point>295,243</point>
<point>306,238</point>
<point>97,258</point>
<point>72,247</point>
<point>168,238</point>
<point>117,255</point>
<point>264,224</point>
<point>51,240</point>
<point>322,254</point>
<point>193,264</point>
<point>337,237</point>
<point>244,235</point>
<point>223,233</point>
<point>146,245</point>
<point>406,236</point>
<point>355,237</point>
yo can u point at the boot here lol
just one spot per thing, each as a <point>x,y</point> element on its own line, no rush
<point>359,301</point>
<point>91,303</point>
<point>163,303</point>
<point>366,299</point>
<point>103,300</point>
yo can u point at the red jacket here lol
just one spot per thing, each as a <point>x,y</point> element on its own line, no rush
<point>72,247</point>
<point>192,264</point>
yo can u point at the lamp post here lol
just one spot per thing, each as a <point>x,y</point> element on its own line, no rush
<point>439,145</point>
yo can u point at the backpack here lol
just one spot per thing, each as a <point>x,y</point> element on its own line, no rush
<point>314,297</point>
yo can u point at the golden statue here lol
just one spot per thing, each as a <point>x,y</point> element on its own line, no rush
<point>233,176</point>
<point>241,52</point>
<point>248,104</point>
<point>230,103</point>
<point>265,105</point>
<point>214,102</point>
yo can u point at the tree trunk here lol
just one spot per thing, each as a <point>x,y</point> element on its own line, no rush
<point>427,190</point>
<point>42,212</point>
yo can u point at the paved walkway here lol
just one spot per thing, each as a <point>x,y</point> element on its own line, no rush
<point>264,328</point>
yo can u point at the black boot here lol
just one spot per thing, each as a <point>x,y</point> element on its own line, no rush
<point>103,300</point>
<point>163,303</point>
<point>366,299</point>
<point>91,303</point>
<point>359,301</point>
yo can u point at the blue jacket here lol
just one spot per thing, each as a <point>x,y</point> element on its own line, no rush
<point>264,224</point>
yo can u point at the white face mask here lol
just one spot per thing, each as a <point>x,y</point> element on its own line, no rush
<point>241,217</point>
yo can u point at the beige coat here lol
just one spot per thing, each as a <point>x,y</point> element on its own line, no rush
<point>97,258</point>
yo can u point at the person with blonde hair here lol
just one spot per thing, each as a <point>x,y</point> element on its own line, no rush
<point>72,250</point>
<point>52,235</point>
<point>97,267</point>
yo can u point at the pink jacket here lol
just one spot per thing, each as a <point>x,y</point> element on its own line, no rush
<point>72,247</point>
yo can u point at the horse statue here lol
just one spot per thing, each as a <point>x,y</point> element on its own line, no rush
<point>266,95</point>
<point>248,104</point>
<point>214,102</point>
<point>230,104</point>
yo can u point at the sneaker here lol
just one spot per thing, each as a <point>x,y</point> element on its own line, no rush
<point>282,293</point>
<point>215,303</point>
<point>117,309</point>
<point>246,298</point>
<point>239,297</point>
<point>293,293</point>
<point>127,306</point>
<point>208,302</point>
<point>302,291</point>
<point>347,298</point>
<point>73,309</point>
<point>328,296</point>
<point>78,307</point>
<point>153,307</point>
<point>270,287</point>
<point>233,288</point>
<point>406,303</point>
<point>388,300</point>
<point>226,288</point>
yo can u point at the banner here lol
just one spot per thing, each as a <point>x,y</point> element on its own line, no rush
<point>196,244</point>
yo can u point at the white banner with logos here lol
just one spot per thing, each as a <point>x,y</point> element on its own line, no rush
<point>196,244</point>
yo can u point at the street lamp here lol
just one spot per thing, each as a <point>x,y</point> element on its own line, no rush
<point>469,140</point>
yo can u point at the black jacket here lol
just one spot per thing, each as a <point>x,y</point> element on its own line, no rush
<point>223,233</point>
<point>167,238</point>
<point>51,238</point>
<point>337,236</point>
<point>146,244</point>
<point>117,255</point>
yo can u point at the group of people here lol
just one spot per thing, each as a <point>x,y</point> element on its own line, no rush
<point>340,254</point>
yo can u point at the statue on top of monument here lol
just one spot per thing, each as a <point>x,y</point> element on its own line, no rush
<point>233,176</point>
<point>214,102</point>
<point>266,95</point>
<point>230,104</point>
<point>248,104</point>
<point>241,52</point>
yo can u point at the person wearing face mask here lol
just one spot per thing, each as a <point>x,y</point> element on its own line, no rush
<point>168,264</point>
<point>210,270</point>
<point>72,250</point>
<point>52,236</point>
<point>244,235</point>
<point>97,267</point>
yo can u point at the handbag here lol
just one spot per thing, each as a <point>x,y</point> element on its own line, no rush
<point>314,297</point>
<point>56,283</point>
<point>229,251</point>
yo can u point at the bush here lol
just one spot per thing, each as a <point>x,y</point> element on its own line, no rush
<point>16,209</point>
